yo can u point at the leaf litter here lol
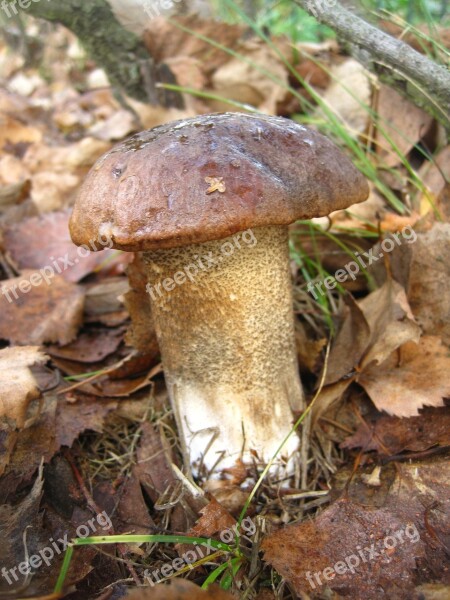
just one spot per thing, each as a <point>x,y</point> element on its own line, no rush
<point>85,424</point>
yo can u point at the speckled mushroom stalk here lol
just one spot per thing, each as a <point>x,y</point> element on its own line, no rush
<point>226,332</point>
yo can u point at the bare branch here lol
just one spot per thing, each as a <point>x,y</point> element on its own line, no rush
<point>415,76</point>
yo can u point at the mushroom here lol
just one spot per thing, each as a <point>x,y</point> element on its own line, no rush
<point>208,201</point>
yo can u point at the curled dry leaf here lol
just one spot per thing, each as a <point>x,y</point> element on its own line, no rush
<point>390,321</point>
<point>372,330</point>
<point>413,377</point>
<point>422,266</point>
<point>17,385</point>
<point>214,519</point>
<point>179,589</point>
<point>50,312</point>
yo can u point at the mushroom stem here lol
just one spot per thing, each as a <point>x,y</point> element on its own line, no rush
<point>224,319</point>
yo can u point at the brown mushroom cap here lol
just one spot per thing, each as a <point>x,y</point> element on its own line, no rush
<point>211,176</point>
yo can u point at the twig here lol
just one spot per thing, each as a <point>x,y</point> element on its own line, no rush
<point>412,74</point>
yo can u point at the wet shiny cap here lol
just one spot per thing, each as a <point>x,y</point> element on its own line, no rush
<point>208,177</point>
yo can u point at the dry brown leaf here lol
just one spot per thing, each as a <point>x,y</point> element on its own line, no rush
<point>132,510</point>
<point>14,193</point>
<point>329,395</point>
<point>103,302</point>
<point>432,591</point>
<point>117,127</point>
<point>390,321</point>
<point>12,170</point>
<point>90,347</point>
<point>86,412</point>
<point>413,377</point>
<point>50,191</point>
<point>408,533</point>
<point>324,552</point>
<point>165,40</point>
<point>154,459</point>
<point>14,131</point>
<point>349,91</point>
<point>392,435</point>
<point>46,313</point>
<point>372,329</point>
<point>179,589</point>
<point>434,175</point>
<point>44,242</point>
<point>236,73</point>
<point>429,276</point>
<point>14,521</point>
<point>214,519</point>
<point>351,342</point>
<point>404,133</point>
<point>422,267</point>
<point>58,424</point>
<point>17,385</point>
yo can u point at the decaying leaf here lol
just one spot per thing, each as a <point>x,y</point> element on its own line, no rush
<point>37,308</point>
<point>214,519</point>
<point>397,135</point>
<point>334,550</point>
<point>373,328</point>
<point>392,435</point>
<point>413,377</point>
<point>429,276</point>
<point>366,552</point>
<point>91,346</point>
<point>14,522</point>
<point>17,385</point>
<point>44,242</point>
<point>349,94</point>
